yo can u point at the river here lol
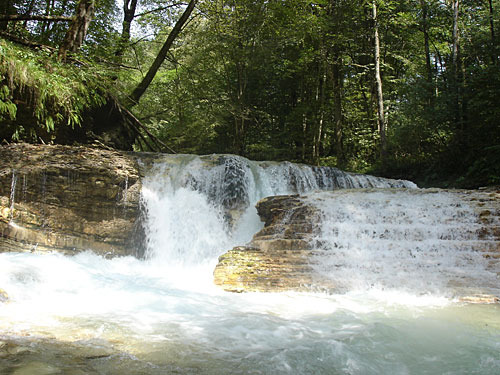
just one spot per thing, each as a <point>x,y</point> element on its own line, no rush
<point>395,313</point>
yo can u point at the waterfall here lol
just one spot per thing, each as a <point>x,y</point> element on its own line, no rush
<point>12,195</point>
<point>422,242</point>
<point>163,314</point>
<point>198,206</point>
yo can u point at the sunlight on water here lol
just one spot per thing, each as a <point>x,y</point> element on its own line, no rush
<point>163,315</point>
<point>402,240</point>
<point>129,306</point>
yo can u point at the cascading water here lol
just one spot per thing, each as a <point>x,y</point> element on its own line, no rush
<point>402,240</point>
<point>12,193</point>
<point>162,314</point>
<point>199,206</point>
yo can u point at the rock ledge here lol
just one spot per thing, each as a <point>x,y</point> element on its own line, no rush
<point>68,199</point>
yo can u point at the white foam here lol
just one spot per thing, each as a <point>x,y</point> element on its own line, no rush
<point>166,312</point>
<point>399,240</point>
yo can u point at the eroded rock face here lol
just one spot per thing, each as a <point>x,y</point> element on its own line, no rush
<point>68,199</point>
<point>278,257</point>
<point>283,256</point>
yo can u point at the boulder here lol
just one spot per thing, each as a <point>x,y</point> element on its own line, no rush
<point>278,257</point>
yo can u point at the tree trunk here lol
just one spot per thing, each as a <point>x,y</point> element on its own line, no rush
<point>456,65</point>
<point>5,9</point>
<point>304,137</point>
<point>428,65</point>
<point>338,117</point>
<point>148,78</point>
<point>381,121</point>
<point>28,12</point>
<point>455,8</point>
<point>336,71</point>
<point>239,139</point>
<point>129,7</point>
<point>494,56</point>
<point>78,29</point>
<point>318,136</point>
<point>425,30</point>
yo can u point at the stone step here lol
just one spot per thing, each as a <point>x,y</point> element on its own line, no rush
<point>281,244</point>
<point>417,232</point>
<point>289,235</point>
<point>304,227</point>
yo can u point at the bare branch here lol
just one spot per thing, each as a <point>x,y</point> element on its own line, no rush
<point>27,17</point>
<point>158,10</point>
<point>101,60</point>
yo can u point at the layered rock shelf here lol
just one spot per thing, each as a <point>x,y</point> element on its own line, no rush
<point>282,256</point>
<point>278,257</point>
<point>72,199</point>
<point>68,199</point>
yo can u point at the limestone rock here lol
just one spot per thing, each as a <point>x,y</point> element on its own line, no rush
<point>68,199</point>
<point>281,255</point>
<point>480,299</point>
<point>37,368</point>
<point>278,257</point>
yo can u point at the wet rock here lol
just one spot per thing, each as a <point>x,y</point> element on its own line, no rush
<point>10,348</point>
<point>281,255</point>
<point>3,346</point>
<point>37,368</point>
<point>68,199</point>
<point>480,299</point>
<point>13,349</point>
<point>278,257</point>
<point>4,297</point>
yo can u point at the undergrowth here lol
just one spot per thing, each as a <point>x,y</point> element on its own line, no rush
<point>49,93</point>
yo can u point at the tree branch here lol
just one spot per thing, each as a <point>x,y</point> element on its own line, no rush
<point>157,10</point>
<point>138,125</point>
<point>143,85</point>
<point>24,42</point>
<point>27,17</point>
<point>101,60</point>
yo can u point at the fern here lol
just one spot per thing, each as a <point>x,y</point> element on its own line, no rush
<point>56,94</point>
<point>6,105</point>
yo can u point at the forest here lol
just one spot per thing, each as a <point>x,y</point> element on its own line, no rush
<point>403,89</point>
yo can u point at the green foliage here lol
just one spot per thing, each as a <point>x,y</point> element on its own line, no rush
<point>485,170</point>
<point>51,94</point>
<point>7,108</point>
<point>273,79</point>
<point>256,78</point>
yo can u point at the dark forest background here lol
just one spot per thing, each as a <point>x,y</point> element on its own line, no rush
<point>407,89</point>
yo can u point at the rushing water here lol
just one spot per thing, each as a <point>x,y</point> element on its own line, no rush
<point>162,314</point>
<point>423,243</point>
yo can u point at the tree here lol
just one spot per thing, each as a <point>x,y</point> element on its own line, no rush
<point>425,31</point>
<point>381,120</point>
<point>78,28</point>
<point>129,7</point>
<point>160,58</point>
<point>491,17</point>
